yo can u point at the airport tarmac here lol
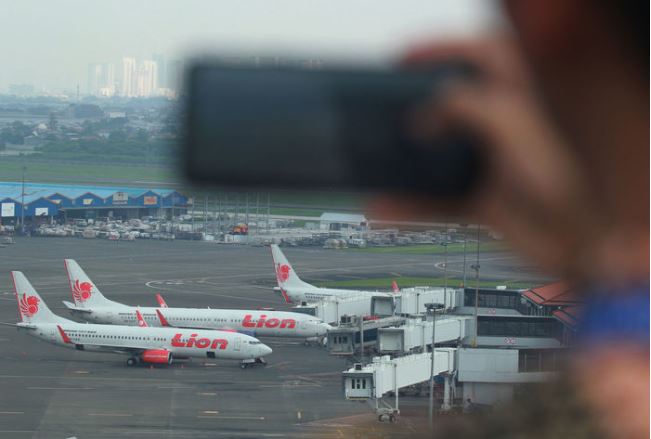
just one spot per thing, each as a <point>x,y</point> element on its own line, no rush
<point>50,392</point>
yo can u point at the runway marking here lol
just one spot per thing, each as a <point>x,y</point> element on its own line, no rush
<point>282,363</point>
<point>211,412</point>
<point>207,393</point>
<point>60,388</point>
<point>203,293</point>
<point>12,413</point>
<point>174,387</point>
<point>319,424</point>
<point>81,371</point>
<point>115,415</point>
<point>250,418</point>
<point>289,385</point>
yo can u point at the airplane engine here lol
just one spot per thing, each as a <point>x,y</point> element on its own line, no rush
<point>157,356</point>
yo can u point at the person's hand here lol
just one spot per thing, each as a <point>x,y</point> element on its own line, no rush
<point>533,188</point>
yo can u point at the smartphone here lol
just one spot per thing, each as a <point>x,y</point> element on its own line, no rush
<point>323,129</point>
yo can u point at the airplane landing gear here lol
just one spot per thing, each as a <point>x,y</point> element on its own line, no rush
<point>387,415</point>
<point>255,362</point>
<point>319,341</point>
<point>132,361</point>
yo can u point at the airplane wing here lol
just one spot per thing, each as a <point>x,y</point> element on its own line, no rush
<point>164,322</point>
<point>73,308</point>
<point>105,346</point>
<point>141,320</point>
<point>19,326</point>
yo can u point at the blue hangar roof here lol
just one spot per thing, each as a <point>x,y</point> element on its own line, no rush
<point>34,191</point>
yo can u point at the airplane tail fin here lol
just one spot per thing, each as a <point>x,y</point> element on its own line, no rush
<point>161,301</point>
<point>395,287</point>
<point>84,291</point>
<point>285,274</point>
<point>31,307</point>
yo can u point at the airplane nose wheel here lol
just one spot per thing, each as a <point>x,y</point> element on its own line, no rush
<point>260,361</point>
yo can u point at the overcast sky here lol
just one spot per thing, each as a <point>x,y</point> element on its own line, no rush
<point>49,43</point>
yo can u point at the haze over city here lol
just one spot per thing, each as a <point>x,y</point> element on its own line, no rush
<point>53,43</point>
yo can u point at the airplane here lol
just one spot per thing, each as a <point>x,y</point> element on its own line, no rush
<point>294,290</point>
<point>91,305</point>
<point>142,344</point>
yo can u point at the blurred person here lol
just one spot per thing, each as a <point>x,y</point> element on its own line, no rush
<point>562,109</point>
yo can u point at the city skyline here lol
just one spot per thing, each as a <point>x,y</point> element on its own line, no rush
<point>50,44</point>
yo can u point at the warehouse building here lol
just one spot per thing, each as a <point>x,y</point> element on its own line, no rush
<point>44,202</point>
<point>343,222</point>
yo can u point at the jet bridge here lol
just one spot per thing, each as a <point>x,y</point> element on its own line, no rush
<point>417,334</point>
<point>411,301</point>
<point>348,337</point>
<point>383,374</point>
<point>332,309</point>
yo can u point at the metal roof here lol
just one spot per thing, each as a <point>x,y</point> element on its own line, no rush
<point>34,191</point>
<point>569,315</point>
<point>555,294</point>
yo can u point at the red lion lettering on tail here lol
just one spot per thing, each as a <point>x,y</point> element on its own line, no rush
<point>28,305</point>
<point>82,291</point>
<point>282,272</point>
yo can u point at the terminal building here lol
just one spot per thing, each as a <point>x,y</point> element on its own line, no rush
<point>37,202</point>
<point>488,343</point>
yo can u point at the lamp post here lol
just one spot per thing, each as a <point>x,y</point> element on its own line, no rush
<point>465,240</point>
<point>476,267</point>
<point>22,204</point>
<point>445,275</point>
<point>432,308</point>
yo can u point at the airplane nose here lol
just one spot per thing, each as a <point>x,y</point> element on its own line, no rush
<point>323,330</point>
<point>266,350</point>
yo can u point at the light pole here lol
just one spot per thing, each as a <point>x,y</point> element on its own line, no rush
<point>432,308</point>
<point>22,204</point>
<point>476,267</point>
<point>445,275</point>
<point>465,240</point>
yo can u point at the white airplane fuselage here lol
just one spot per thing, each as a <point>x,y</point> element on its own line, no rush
<point>130,340</point>
<point>261,323</point>
<point>299,295</point>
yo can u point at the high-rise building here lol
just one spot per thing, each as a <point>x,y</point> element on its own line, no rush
<point>147,79</point>
<point>161,69</point>
<point>109,84</point>
<point>101,79</point>
<point>94,78</point>
<point>129,71</point>
<point>174,72</point>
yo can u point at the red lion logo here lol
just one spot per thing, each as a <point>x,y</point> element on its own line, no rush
<point>28,305</point>
<point>282,272</point>
<point>82,291</point>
